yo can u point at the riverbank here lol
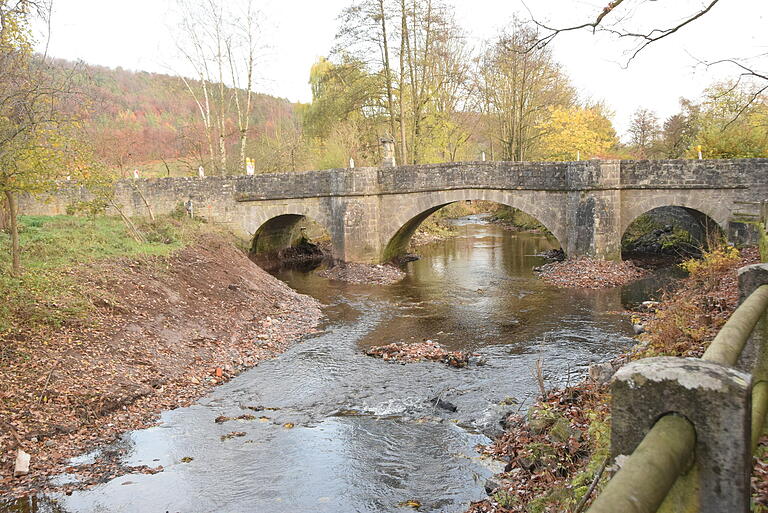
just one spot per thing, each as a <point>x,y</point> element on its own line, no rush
<point>124,334</point>
<point>555,456</point>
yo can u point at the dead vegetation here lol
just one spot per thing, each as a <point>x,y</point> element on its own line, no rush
<point>590,273</point>
<point>552,455</point>
<point>402,352</point>
<point>556,455</point>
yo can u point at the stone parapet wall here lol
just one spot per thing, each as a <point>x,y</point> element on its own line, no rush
<point>587,204</point>
<point>719,173</point>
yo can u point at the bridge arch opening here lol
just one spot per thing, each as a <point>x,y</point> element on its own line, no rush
<point>675,232</point>
<point>290,238</point>
<point>399,244</point>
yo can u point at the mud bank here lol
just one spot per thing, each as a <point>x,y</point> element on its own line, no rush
<point>164,330</point>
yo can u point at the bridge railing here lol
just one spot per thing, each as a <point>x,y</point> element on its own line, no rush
<point>684,429</point>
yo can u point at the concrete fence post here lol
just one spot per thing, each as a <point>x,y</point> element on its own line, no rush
<point>717,400</point>
<point>750,278</point>
<point>754,358</point>
<point>388,152</point>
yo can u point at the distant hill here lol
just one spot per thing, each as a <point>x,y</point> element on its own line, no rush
<point>149,121</point>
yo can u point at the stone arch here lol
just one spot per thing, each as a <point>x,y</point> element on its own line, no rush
<point>280,229</point>
<point>711,204</point>
<point>700,226</point>
<point>403,219</point>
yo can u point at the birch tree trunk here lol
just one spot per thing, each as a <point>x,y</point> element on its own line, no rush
<point>403,56</point>
<point>387,69</point>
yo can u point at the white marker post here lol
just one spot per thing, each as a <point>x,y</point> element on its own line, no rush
<point>250,167</point>
<point>201,172</point>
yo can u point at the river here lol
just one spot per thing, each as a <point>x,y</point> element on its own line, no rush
<point>366,437</point>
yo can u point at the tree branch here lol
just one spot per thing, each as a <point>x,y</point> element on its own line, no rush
<point>646,38</point>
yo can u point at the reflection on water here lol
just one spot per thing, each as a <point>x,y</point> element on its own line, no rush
<point>367,436</point>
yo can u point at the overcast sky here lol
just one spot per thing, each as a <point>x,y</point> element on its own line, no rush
<point>136,35</point>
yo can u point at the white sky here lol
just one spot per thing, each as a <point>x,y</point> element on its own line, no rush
<point>135,35</point>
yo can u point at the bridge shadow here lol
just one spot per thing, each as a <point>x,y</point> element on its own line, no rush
<point>290,239</point>
<point>671,232</point>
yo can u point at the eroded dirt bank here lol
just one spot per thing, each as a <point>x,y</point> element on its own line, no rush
<point>164,330</point>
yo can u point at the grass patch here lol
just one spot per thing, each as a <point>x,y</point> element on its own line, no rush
<point>48,294</point>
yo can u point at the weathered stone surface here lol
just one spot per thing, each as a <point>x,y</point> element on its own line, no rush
<point>714,398</point>
<point>750,278</point>
<point>754,358</point>
<point>371,212</point>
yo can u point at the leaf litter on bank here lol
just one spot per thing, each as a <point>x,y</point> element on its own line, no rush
<point>420,351</point>
<point>549,464</point>
<point>590,273</point>
<point>361,274</point>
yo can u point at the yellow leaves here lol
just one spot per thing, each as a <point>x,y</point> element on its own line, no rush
<point>719,258</point>
<point>16,35</point>
<point>576,132</point>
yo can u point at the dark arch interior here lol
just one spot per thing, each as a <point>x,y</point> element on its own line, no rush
<point>672,232</point>
<point>398,245</point>
<point>290,237</point>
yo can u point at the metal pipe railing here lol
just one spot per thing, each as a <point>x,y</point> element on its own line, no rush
<point>730,341</point>
<point>647,476</point>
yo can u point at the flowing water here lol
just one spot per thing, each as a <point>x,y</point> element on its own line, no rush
<point>367,436</point>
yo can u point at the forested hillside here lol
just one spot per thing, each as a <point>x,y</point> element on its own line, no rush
<point>150,121</point>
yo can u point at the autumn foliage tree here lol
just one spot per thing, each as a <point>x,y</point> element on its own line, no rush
<point>733,122</point>
<point>571,133</point>
<point>37,142</point>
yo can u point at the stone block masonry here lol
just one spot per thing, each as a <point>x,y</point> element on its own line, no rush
<point>370,213</point>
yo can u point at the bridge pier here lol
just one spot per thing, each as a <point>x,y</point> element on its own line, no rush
<point>356,223</point>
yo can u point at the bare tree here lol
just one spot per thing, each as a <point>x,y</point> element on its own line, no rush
<point>644,130</point>
<point>211,38</point>
<point>614,19</point>
<point>242,50</point>
<point>517,83</point>
<point>365,33</point>
<point>620,10</point>
<point>190,44</point>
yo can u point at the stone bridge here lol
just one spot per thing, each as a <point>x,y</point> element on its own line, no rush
<point>371,213</point>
